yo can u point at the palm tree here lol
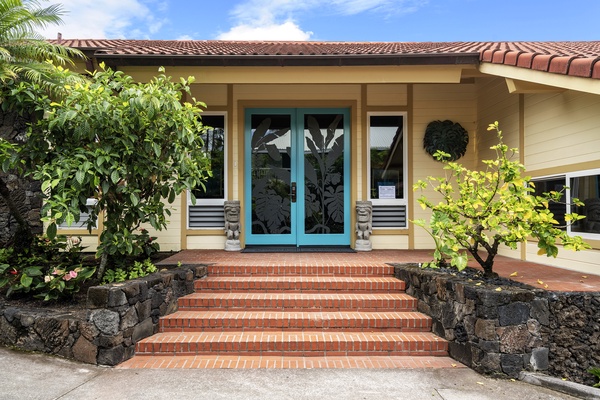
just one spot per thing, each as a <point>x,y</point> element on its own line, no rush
<point>26,56</point>
<point>24,53</point>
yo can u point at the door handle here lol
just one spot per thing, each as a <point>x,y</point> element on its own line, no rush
<point>293,194</point>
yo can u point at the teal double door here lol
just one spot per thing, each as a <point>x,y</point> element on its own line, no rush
<point>297,170</point>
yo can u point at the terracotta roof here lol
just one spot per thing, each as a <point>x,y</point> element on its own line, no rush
<point>567,58</point>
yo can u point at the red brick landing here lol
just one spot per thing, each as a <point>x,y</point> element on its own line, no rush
<point>316,310</point>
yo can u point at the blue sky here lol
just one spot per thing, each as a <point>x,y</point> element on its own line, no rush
<point>331,20</point>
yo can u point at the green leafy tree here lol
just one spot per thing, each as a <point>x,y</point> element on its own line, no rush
<point>26,57</point>
<point>133,147</point>
<point>481,210</point>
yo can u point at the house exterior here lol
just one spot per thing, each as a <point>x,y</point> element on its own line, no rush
<point>301,131</point>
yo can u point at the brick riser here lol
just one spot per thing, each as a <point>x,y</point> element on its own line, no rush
<point>293,343</point>
<point>296,311</point>
<point>294,301</point>
<point>299,284</point>
<point>302,270</point>
<point>202,321</point>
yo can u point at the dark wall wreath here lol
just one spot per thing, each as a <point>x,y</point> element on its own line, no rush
<point>447,136</point>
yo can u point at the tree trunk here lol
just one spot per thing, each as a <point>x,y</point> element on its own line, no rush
<point>23,237</point>
<point>102,266</point>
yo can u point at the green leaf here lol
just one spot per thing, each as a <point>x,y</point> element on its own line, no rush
<point>51,230</point>
<point>114,176</point>
<point>156,149</point>
<point>26,281</point>
<point>134,199</point>
<point>46,185</point>
<point>80,176</point>
<point>69,219</point>
<point>33,271</point>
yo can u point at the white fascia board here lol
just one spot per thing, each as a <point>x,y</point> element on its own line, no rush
<point>546,79</point>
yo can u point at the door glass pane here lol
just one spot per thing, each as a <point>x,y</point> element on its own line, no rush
<point>323,173</point>
<point>271,174</point>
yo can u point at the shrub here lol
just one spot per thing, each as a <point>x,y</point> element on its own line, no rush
<point>137,270</point>
<point>49,270</point>
<point>489,208</point>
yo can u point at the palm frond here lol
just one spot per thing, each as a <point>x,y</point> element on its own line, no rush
<point>23,51</point>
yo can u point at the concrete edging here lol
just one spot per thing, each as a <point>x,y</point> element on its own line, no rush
<point>567,387</point>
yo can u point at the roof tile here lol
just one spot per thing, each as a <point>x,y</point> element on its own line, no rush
<point>560,65</point>
<point>596,70</point>
<point>525,60</point>
<point>512,57</point>
<point>568,58</point>
<point>541,62</point>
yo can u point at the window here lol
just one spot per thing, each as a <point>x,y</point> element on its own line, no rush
<point>387,169</point>
<point>208,210</point>
<point>583,185</point>
<point>83,217</point>
<point>586,187</point>
<point>556,184</point>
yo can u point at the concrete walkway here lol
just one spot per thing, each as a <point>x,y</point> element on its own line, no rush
<point>34,376</point>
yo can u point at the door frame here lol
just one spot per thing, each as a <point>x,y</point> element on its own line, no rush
<point>299,237</point>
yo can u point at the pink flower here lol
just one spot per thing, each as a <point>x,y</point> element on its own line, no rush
<point>47,278</point>
<point>70,275</point>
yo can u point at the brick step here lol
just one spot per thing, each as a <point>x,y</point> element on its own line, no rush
<point>202,321</point>
<point>265,362</point>
<point>295,343</point>
<point>298,301</point>
<point>305,284</point>
<point>323,270</point>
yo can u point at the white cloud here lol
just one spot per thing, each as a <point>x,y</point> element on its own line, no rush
<point>270,31</point>
<point>273,19</point>
<point>92,19</point>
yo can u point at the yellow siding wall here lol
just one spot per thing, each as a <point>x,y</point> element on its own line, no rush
<point>206,242</point>
<point>582,261</point>
<point>438,102</point>
<point>387,95</point>
<point>561,129</point>
<point>170,239</point>
<point>397,242</point>
<point>494,103</point>
<point>212,95</point>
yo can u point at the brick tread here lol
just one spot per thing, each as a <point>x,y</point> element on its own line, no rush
<point>286,301</point>
<point>300,283</point>
<point>285,343</point>
<point>195,321</point>
<point>318,270</point>
<point>265,362</point>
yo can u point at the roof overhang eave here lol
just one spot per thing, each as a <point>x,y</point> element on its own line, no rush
<point>288,60</point>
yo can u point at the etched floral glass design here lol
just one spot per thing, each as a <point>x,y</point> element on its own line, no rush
<point>271,174</point>
<point>323,173</point>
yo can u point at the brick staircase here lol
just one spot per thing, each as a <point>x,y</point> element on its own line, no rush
<point>297,316</point>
